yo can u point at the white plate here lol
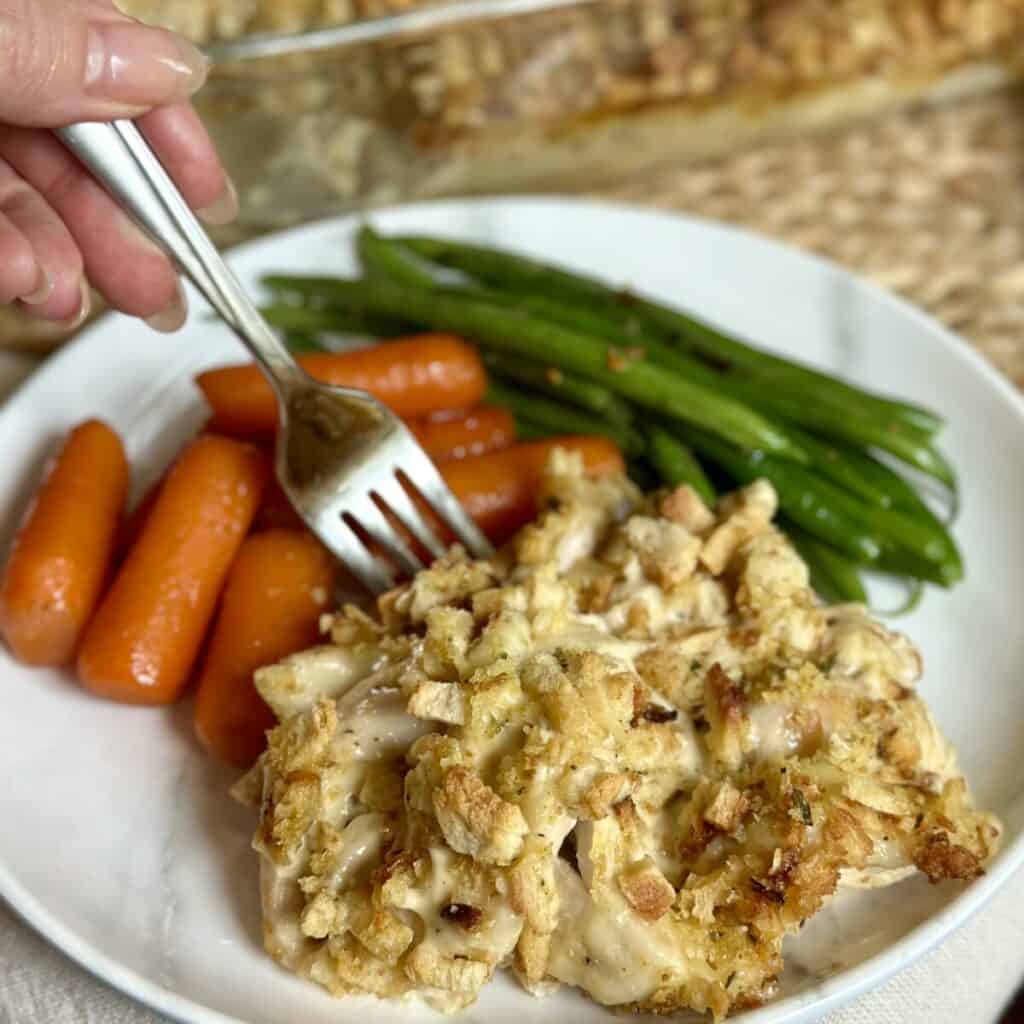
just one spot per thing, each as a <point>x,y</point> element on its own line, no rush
<point>119,842</point>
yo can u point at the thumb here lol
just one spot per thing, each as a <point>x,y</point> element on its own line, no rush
<point>81,60</point>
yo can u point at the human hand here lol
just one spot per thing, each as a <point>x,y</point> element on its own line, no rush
<point>63,61</point>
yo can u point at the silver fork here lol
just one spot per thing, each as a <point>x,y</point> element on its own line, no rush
<point>343,459</point>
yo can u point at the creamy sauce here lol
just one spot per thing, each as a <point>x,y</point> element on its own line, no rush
<point>328,672</point>
<point>508,740</point>
<point>283,903</point>
<point>771,732</point>
<point>362,843</point>
<point>491,940</point>
<point>372,718</point>
<point>590,633</point>
<point>886,866</point>
<point>607,950</point>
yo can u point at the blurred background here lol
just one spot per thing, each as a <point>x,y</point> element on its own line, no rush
<point>887,134</point>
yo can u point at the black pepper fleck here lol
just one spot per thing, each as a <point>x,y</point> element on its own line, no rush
<point>462,914</point>
<point>803,807</point>
<point>658,715</point>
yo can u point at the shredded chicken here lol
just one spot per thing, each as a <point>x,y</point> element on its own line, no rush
<point>630,753</point>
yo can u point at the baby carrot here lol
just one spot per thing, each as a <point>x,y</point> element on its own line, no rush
<point>499,490</point>
<point>414,377</point>
<point>460,436</point>
<point>139,513</point>
<point>61,556</point>
<point>143,641</point>
<point>280,583</point>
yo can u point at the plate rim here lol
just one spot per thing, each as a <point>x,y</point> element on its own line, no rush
<point>818,999</point>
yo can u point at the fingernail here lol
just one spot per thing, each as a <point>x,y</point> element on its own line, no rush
<point>84,308</point>
<point>172,317</point>
<point>140,66</point>
<point>42,292</point>
<point>224,209</point>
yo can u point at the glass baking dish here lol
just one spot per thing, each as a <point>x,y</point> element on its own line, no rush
<point>493,96</point>
<point>412,99</point>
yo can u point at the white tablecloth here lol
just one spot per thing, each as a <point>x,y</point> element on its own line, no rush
<point>966,980</point>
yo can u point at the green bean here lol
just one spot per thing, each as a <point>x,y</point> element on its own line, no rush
<point>645,384</point>
<point>503,269</point>
<point>799,498</point>
<point>873,481</point>
<point>834,465</point>
<point>833,575</point>
<point>390,259</point>
<point>836,578</point>
<point>298,342</point>
<point>884,479</point>
<point>897,561</point>
<point>586,321</point>
<point>595,326</point>
<point>558,384</point>
<point>797,409</point>
<point>509,271</point>
<point>322,320</point>
<point>299,318</point>
<point>795,405</point>
<point>905,443</point>
<point>559,418</point>
<point>863,475</point>
<point>527,431</point>
<point>765,366</point>
<point>838,517</point>
<point>675,464</point>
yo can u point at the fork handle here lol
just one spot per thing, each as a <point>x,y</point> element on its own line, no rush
<point>120,158</point>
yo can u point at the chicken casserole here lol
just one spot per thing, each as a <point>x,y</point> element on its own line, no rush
<point>630,753</point>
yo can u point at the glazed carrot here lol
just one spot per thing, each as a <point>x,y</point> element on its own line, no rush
<point>461,435</point>
<point>499,490</point>
<point>414,377</point>
<point>275,510</point>
<point>143,641</point>
<point>61,556</point>
<point>280,583</point>
<point>139,513</point>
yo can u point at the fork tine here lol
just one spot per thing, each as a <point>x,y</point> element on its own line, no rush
<point>348,547</point>
<point>394,495</point>
<point>423,475</point>
<point>373,521</point>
